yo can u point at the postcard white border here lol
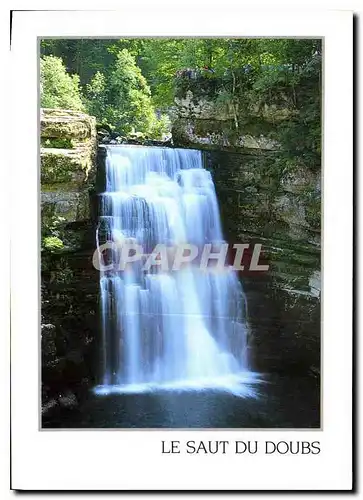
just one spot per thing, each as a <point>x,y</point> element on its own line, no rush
<point>95,460</point>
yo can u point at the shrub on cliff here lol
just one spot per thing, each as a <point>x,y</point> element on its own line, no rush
<point>58,89</point>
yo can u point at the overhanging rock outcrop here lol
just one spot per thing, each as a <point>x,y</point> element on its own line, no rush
<point>205,116</point>
<point>67,155</point>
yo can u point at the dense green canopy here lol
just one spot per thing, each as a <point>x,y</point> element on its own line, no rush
<point>129,82</point>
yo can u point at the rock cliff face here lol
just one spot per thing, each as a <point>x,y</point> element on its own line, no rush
<point>69,281</point>
<point>68,148</point>
<point>262,201</point>
<point>205,117</point>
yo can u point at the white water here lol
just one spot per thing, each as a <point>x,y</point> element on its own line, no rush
<point>177,329</point>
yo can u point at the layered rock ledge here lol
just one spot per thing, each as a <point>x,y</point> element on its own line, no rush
<point>67,155</point>
<point>69,283</point>
<point>263,199</point>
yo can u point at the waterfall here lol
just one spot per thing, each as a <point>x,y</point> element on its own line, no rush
<point>176,328</point>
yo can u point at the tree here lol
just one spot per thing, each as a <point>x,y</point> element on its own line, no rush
<point>123,97</point>
<point>130,95</point>
<point>96,96</point>
<point>125,79</point>
<point>58,89</point>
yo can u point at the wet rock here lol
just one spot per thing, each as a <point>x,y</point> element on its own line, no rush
<point>283,303</point>
<point>48,335</point>
<point>68,400</point>
<point>105,139</point>
<point>69,281</point>
<point>71,205</point>
<point>75,356</point>
<point>49,406</point>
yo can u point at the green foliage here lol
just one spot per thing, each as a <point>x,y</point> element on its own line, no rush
<point>125,81</point>
<point>61,272</point>
<point>57,142</point>
<point>58,88</point>
<point>52,243</point>
<point>51,234</point>
<point>160,60</point>
<point>123,98</point>
<point>129,94</point>
<point>82,57</point>
<point>161,127</point>
<point>96,92</point>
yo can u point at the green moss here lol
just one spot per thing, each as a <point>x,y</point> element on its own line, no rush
<point>47,216</point>
<point>71,129</point>
<point>255,126</point>
<point>204,127</point>
<point>295,257</point>
<point>58,166</point>
<point>65,124</point>
<point>60,142</point>
<point>216,134</point>
<point>313,216</point>
<point>60,187</point>
<point>312,202</point>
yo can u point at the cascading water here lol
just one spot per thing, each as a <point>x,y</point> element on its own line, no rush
<point>167,329</point>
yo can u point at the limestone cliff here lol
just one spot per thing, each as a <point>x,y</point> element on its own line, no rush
<point>266,196</point>
<point>69,283</point>
<point>67,154</point>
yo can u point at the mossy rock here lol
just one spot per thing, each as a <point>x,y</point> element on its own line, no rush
<point>218,135</point>
<point>66,124</point>
<point>70,129</point>
<point>58,142</point>
<point>73,206</point>
<point>64,165</point>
